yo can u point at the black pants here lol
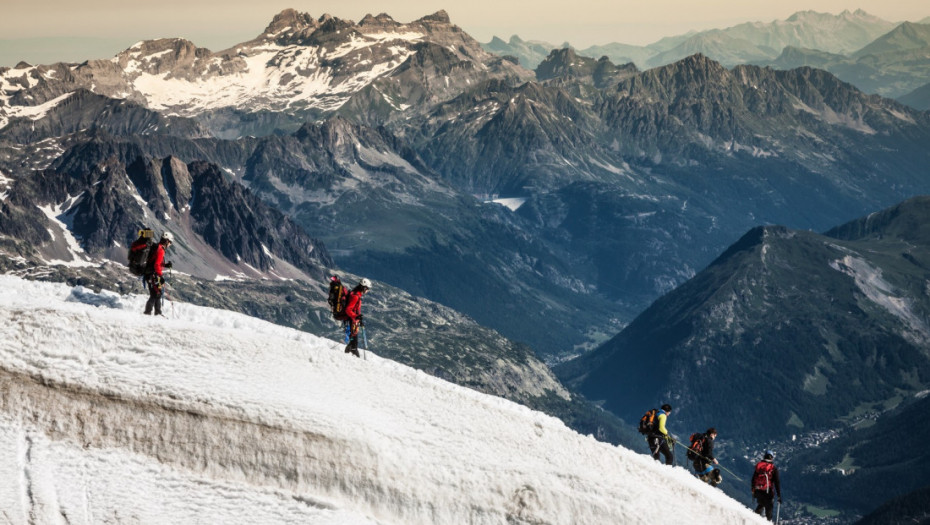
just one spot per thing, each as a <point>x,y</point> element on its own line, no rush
<point>659,445</point>
<point>766,501</point>
<point>156,291</point>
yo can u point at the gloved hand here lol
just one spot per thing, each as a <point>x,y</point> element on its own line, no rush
<point>779,499</point>
<point>168,264</point>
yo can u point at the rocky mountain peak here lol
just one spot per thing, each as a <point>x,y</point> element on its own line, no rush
<point>560,62</point>
<point>290,20</point>
<point>440,16</point>
<point>382,20</point>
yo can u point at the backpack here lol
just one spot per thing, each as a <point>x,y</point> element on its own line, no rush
<point>762,477</point>
<point>338,296</point>
<point>139,252</point>
<point>696,449</point>
<point>647,423</point>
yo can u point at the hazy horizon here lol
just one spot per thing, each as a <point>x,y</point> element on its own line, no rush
<point>102,28</point>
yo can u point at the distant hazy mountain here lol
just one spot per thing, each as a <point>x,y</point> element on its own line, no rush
<point>893,65</point>
<point>747,43</point>
<point>905,37</point>
<point>720,45</point>
<point>529,52</point>
<point>756,42</point>
<point>919,98</point>
<point>840,34</point>
<point>622,53</point>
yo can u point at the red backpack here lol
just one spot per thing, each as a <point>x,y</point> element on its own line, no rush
<point>762,477</point>
<point>696,450</point>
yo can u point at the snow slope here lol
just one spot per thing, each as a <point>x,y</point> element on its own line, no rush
<point>109,416</point>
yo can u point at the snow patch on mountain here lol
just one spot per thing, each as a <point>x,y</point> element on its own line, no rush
<point>513,203</point>
<point>58,215</point>
<point>267,75</point>
<point>31,112</point>
<point>5,183</point>
<point>107,415</point>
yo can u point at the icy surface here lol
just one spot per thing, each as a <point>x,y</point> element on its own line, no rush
<point>207,416</point>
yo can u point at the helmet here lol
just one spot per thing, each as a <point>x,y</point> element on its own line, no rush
<point>167,237</point>
<point>365,282</point>
<point>769,454</point>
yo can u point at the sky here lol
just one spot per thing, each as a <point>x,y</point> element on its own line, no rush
<point>108,26</point>
<point>210,416</point>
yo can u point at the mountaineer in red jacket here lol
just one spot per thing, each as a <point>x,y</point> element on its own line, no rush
<point>153,273</point>
<point>354,313</point>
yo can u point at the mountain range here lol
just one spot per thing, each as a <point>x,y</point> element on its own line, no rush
<point>387,150</point>
<point>875,55</point>
<point>842,34</point>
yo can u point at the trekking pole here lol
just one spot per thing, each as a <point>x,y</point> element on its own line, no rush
<point>164,295</point>
<point>365,340</point>
<point>777,510</point>
<point>173,314</point>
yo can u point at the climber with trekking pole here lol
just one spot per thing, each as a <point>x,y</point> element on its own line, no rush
<point>353,312</point>
<point>766,485</point>
<point>154,269</point>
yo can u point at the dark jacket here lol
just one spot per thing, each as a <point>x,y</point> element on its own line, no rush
<point>708,451</point>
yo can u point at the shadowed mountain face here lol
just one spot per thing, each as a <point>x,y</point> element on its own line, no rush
<point>918,99</point>
<point>220,227</point>
<point>815,345</point>
<point>800,327</point>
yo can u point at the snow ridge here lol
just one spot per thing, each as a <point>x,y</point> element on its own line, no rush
<point>236,420</point>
